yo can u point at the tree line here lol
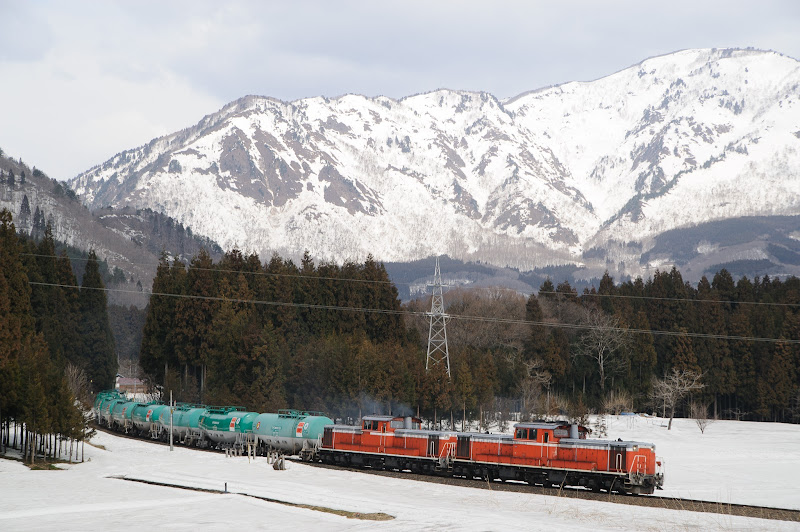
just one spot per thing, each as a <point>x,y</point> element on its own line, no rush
<point>55,343</point>
<point>336,338</point>
<point>276,334</point>
<point>620,347</point>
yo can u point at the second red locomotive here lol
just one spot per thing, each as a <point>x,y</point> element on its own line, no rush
<point>545,453</point>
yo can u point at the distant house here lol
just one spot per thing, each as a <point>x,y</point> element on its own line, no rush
<point>129,385</point>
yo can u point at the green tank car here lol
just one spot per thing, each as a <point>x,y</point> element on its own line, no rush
<point>185,422</point>
<point>291,431</point>
<point>121,414</point>
<point>103,405</point>
<point>225,425</point>
<point>145,418</point>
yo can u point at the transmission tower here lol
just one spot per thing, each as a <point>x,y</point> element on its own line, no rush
<point>437,334</point>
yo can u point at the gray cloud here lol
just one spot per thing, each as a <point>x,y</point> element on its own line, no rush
<point>94,78</point>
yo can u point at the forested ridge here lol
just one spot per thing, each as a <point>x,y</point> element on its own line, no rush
<point>56,345</point>
<point>336,338</point>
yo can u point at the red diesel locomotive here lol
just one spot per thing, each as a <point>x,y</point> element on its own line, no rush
<point>549,454</point>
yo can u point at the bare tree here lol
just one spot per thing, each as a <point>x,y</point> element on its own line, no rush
<point>467,326</point>
<point>605,342</point>
<point>699,411</point>
<point>530,387</point>
<point>78,382</point>
<point>670,390</point>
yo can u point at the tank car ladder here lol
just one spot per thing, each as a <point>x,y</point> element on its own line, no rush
<point>245,443</point>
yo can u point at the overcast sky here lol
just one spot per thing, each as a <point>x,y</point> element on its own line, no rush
<point>81,81</point>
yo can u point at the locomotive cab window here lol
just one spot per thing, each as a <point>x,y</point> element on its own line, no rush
<point>545,437</point>
<point>525,434</point>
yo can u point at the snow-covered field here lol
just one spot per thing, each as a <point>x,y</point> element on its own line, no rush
<point>736,462</point>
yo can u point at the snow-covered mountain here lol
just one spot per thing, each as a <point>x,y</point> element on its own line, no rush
<point>590,173</point>
<point>129,239</point>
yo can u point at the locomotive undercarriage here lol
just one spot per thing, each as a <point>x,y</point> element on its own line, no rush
<point>541,476</point>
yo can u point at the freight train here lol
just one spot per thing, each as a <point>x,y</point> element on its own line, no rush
<point>541,453</point>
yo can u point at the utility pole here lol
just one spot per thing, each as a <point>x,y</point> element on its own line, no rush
<point>171,410</point>
<point>437,333</point>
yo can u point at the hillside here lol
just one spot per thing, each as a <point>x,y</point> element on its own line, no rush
<point>586,173</point>
<point>129,239</point>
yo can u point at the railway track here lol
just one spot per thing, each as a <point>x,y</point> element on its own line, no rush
<point>652,501</point>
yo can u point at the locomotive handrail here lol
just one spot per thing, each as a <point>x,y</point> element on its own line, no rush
<point>448,449</point>
<point>636,465</point>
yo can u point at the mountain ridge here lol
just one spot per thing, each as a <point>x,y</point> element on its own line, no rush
<point>129,239</point>
<point>534,180</point>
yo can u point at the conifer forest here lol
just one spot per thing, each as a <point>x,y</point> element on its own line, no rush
<point>336,338</point>
<point>56,345</point>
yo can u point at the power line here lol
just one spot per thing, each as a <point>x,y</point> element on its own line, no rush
<point>246,272</point>
<point>509,321</point>
<point>380,282</point>
<point>677,299</point>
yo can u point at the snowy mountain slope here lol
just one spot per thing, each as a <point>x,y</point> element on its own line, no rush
<point>603,166</point>
<point>685,143</point>
<point>127,239</point>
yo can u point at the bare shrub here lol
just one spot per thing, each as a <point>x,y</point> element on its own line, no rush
<point>579,412</point>
<point>699,412</point>
<point>556,406</point>
<point>617,403</point>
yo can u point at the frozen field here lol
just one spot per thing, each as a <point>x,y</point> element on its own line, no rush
<point>737,462</point>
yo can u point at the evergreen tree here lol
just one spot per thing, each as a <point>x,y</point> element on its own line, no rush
<point>31,380</point>
<point>99,356</point>
<point>193,318</point>
<point>351,296</point>
<point>437,391</point>
<point>536,342</point>
<point>683,358</point>
<point>643,359</point>
<point>779,382</point>
<point>713,354</point>
<point>556,358</point>
<point>157,352</point>
<point>607,288</point>
<point>16,322</point>
<point>24,213</point>
<point>742,356</point>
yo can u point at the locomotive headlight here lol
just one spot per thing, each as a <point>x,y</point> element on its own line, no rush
<point>635,447</point>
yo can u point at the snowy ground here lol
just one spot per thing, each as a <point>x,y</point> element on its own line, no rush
<point>736,462</point>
